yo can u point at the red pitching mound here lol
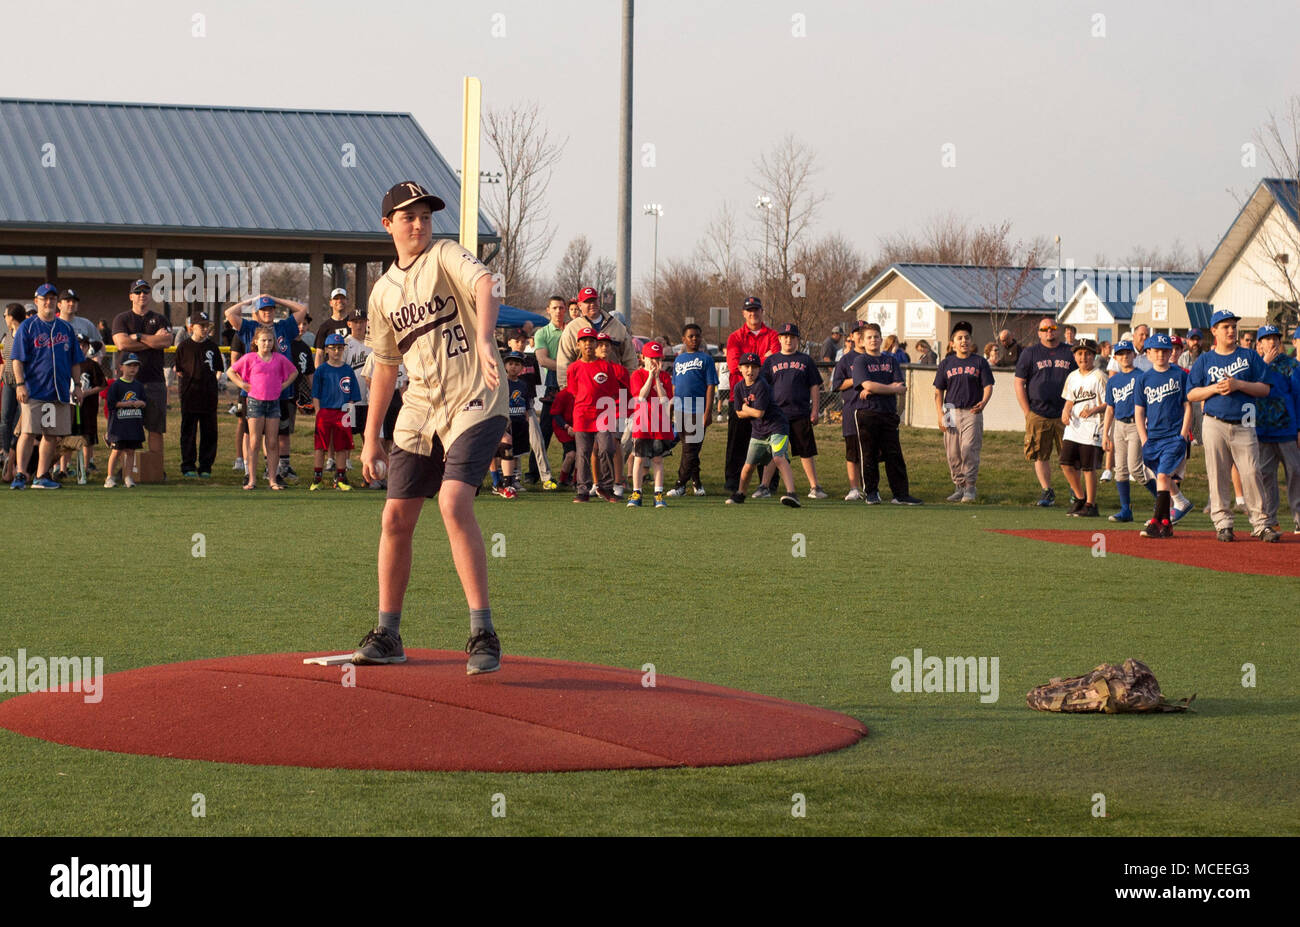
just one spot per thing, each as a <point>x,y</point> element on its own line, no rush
<point>532,716</point>
<point>1190,548</point>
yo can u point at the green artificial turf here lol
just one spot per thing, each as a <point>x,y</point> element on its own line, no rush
<point>703,591</point>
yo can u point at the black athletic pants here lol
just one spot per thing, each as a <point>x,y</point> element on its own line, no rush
<point>738,434</point>
<point>692,439</point>
<point>878,440</point>
<point>205,424</point>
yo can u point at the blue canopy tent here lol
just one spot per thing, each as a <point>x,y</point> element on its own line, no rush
<point>510,317</point>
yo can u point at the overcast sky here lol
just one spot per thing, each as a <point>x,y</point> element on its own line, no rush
<point>1130,138</point>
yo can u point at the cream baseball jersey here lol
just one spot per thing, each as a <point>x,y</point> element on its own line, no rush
<point>425,318</point>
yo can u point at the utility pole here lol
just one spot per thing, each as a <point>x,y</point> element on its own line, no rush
<point>764,202</point>
<point>656,210</point>
<point>623,283</point>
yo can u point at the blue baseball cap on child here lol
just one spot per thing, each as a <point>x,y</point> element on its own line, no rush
<point>1224,315</point>
<point>1124,346</point>
<point>130,359</point>
<point>1268,331</point>
<point>1159,340</point>
<point>334,339</point>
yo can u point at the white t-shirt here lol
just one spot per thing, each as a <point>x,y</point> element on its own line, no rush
<point>355,354</point>
<point>1085,389</point>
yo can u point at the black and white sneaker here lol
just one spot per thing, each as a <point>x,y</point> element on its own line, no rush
<point>873,498</point>
<point>906,500</point>
<point>484,651</point>
<point>790,500</point>
<point>378,647</point>
<point>736,498</point>
<point>1076,506</point>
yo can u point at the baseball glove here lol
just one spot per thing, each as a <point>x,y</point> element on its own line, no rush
<point>1108,688</point>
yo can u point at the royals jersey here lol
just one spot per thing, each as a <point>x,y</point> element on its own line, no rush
<point>425,317</point>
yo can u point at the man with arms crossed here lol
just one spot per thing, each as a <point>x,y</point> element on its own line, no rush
<point>433,311</point>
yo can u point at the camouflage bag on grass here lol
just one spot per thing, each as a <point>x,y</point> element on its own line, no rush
<point>1109,688</point>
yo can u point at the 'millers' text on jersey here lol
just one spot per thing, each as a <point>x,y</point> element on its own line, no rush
<point>425,317</point>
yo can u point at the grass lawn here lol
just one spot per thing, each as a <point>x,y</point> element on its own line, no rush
<point>702,591</point>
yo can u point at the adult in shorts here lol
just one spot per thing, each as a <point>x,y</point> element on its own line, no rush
<point>1041,373</point>
<point>46,361</point>
<point>432,311</point>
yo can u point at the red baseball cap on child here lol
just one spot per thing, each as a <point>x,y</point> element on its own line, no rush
<point>586,333</point>
<point>652,349</point>
<point>604,336</point>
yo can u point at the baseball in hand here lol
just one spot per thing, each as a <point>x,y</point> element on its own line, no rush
<point>380,469</point>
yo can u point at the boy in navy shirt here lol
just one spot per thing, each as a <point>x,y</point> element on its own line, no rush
<point>842,382</point>
<point>695,381</point>
<point>514,442</point>
<point>769,437</point>
<point>125,405</point>
<point>963,385</point>
<point>796,389</point>
<point>878,379</point>
<point>1228,379</point>
<point>1163,417</point>
<point>333,387</point>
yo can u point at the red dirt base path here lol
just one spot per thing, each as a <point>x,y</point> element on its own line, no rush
<point>534,715</point>
<point>1190,548</point>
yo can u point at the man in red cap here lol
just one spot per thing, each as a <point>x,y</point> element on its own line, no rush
<point>622,350</point>
<point>753,337</point>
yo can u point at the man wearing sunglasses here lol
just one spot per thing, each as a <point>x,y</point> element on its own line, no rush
<point>1040,379</point>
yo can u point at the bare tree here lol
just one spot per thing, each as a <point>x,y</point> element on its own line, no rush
<point>1279,237</point>
<point>944,239</point>
<point>833,272</point>
<point>683,292</point>
<point>574,269</point>
<point>517,205</point>
<point>1009,273</point>
<point>785,176</point>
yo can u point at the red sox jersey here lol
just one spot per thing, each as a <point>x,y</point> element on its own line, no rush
<point>425,318</point>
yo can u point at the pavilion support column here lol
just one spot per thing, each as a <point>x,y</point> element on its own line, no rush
<point>52,269</point>
<point>315,291</point>
<point>362,286</point>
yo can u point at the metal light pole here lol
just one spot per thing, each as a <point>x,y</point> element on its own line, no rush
<point>765,202</point>
<point>656,210</point>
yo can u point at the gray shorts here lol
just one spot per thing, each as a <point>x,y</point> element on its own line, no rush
<point>46,417</point>
<point>416,476</point>
<point>155,408</point>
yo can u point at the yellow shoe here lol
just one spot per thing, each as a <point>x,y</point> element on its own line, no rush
<point>315,485</point>
<point>343,486</point>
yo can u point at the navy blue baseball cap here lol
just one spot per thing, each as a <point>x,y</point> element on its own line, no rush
<point>334,340</point>
<point>1193,333</point>
<point>515,356</point>
<point>1122,347</point>
<point>751,359</point>
<point>70,296</point>
<point>789,328</point>
<point>47,289</point>
<point>1159,340</point>
<point>1223,315</point>
<point>130,359</point>
<point>1268,331</point>
<point>141,286</point>
<point>752,304</point>
<point>264,302</point>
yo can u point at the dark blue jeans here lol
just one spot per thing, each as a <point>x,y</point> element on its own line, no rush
<point>8,418</point>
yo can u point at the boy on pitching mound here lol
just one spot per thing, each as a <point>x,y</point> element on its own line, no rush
<point>434,311</point>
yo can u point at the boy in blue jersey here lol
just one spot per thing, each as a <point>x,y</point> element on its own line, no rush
<point>1229,379</point>
<point>769,436</point>
<point>1119,431</point>
<point>1278,425</point>
<point>334,387</point>
<point>796,389</point>
<point>1163,416</point>
<point>695,381</point>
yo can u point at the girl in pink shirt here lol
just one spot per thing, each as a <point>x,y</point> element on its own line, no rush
<point>263,376</point>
